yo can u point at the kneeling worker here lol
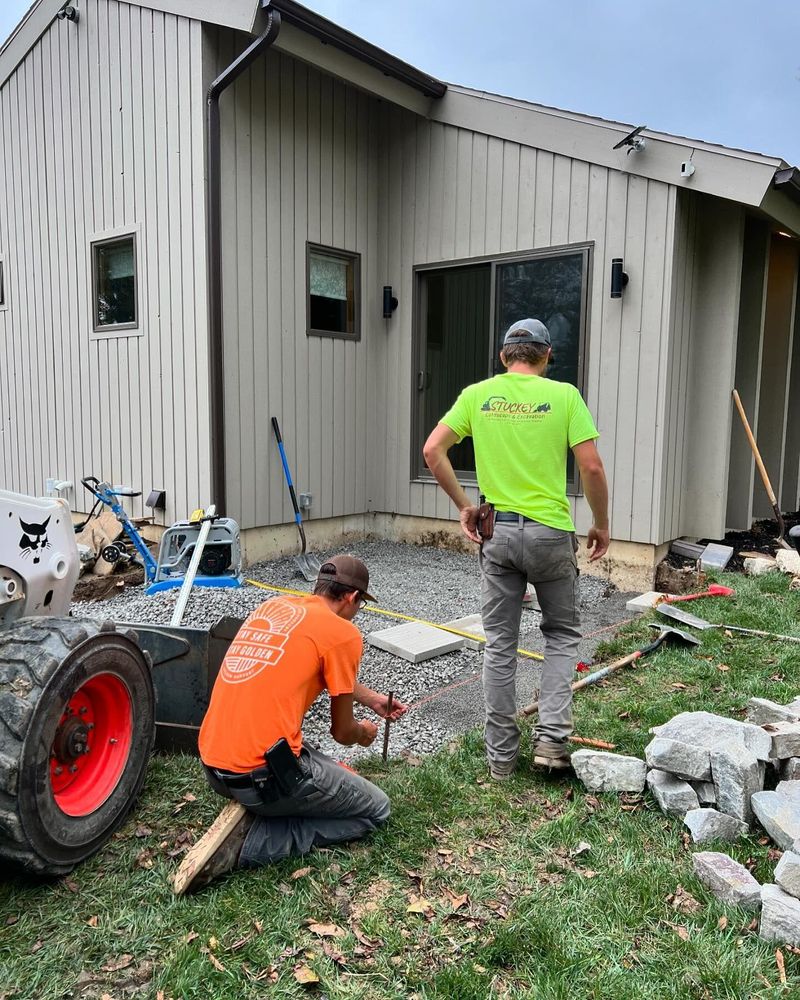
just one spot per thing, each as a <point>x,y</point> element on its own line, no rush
<point>288,651</point>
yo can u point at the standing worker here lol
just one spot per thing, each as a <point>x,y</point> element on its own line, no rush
<point>522,425</point>
<point>288,797</point>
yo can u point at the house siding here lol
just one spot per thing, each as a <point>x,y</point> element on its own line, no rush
<point>101,128</point>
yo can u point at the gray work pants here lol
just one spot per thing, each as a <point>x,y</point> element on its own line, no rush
<point>519,553</point>
<point>335,805</point>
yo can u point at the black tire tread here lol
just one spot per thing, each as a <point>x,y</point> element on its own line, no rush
<point>31,650</point>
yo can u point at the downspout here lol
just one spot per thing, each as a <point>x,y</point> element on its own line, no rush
<point>216,373</point>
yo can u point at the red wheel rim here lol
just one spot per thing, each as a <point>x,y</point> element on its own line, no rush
<point>91,745</point>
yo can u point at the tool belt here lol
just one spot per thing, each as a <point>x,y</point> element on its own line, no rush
<point>261,780</point>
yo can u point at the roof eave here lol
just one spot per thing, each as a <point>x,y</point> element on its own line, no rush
<point>333,34</point>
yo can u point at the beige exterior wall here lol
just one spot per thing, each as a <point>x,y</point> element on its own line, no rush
<point>101,132</point>
<point>306,157</point>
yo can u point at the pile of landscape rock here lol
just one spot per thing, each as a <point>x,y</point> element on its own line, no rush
<point>721,776</point>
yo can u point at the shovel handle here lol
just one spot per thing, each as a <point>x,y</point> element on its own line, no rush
<point>297,516</point>
<point>762,471</point>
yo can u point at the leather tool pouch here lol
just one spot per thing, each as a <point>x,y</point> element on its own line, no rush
<point>485,527</point>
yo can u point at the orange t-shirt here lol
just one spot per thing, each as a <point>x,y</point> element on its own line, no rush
<point>288,651</point>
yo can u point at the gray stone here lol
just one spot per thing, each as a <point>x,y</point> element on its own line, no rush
<point>674,796</point>
<point>785,739</point>
<point>681,759</point>
<point>780,916</point>
<point>706,793</point>
<point>715,556</point>
<point>473,624</point>
<point>601,771</point>
<point>787,873</point>
<point>761,710</point>
<point>790,769</point>
<point>708,824</point>
<point>727,879</point>
<point>704,729</point>
<point>415,642</point>
<point>737,776</point>
<point>794,705</point>
<point>779,812</point>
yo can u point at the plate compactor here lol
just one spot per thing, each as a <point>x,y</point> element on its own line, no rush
<point>82,702</point>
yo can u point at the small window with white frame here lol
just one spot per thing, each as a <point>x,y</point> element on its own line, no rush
<point>3,283</point>
<point>333,303</point>
<point>115,307</point>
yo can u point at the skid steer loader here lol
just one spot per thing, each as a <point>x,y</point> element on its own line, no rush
<point>82,702</point>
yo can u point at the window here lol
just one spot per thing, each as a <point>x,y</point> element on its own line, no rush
<point>333,293</point>
<point>463,311</point>
<point>114,284</point>
<point>3,295</point>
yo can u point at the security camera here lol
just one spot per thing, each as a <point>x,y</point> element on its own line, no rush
<point>68,13</point>
<point>687,168</point>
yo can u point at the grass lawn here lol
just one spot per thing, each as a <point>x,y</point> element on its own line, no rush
<point>473,890</point>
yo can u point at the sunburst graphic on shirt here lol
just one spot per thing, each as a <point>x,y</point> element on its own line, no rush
<point>261,641</point>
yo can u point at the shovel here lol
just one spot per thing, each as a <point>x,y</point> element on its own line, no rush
<point>308,565</point>
<point>679,615</point>
<point>666,634</point>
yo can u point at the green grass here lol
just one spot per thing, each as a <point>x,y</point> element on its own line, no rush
<point>537,922</point>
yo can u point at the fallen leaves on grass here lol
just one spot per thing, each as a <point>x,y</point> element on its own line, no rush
<point>142,831</point>
<point>781,966</point>
<point>418,904</point>
<point>305,975</point>
<point>270,974</point>
<point>213,959</point>
<point>722,923</point>
<point>300,872</point>
<point>326,930</point>
<point>683,901</point>
<point>679,929</point>
<point>117,964</point>
<point>456,901</point>
<point>499,909</point>
<point>93,921</point>
<point>12,919</point>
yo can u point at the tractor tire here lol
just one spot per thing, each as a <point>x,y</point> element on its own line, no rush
<point>77,724</point>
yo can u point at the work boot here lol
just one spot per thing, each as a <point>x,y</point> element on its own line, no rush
<point>503,771</point>
<point>217,851</point>
<point>554,756</point>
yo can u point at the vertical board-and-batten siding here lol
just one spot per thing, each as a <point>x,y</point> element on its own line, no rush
<point>101,128</point>
<point>299,164</point>
<point>457,194</point>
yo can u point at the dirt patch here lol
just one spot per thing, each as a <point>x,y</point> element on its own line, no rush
<point>99,588</point>
<point>762,537</point>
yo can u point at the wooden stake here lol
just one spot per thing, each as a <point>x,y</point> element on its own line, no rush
<point>585,741</point>
<point>386,725</point>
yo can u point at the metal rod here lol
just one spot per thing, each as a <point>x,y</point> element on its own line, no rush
<point>191,572</point>
<point>389,702</point>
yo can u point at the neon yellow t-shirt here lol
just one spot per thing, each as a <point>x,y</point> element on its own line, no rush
<point>522,427</point>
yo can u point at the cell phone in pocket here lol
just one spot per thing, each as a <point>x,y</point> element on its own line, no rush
<point>285,767</point>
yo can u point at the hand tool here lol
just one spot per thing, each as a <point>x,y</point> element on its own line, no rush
<point>714,590</point>
<point>308,565</point>
<point>683,616</point>
<point>389,702</point>
<point>762,470</point>
<point>666,634</point>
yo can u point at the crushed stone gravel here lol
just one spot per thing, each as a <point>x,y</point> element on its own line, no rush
<point>436,585</point>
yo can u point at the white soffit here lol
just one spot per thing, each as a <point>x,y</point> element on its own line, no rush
<point>727,173</point>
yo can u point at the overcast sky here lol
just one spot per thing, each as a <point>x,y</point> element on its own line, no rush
<point>724,71</point>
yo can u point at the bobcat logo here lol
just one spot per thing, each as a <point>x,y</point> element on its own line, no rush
<point>543,408</point>
<point>34,539</point>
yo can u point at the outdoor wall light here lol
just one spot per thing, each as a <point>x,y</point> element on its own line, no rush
<point>389,302</point>
<point>68,13</point>
<point>619,278</point>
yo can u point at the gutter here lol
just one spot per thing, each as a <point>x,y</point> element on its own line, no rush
<point>214,250</point>
<point>332,34</point>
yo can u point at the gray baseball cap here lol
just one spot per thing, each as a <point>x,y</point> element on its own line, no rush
<point>527,331</point>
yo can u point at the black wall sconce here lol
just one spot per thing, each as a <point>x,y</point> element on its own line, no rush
<point>389,302</point>
<point>619,278</point>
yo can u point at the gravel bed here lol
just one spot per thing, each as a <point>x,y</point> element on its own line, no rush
<point>433,584</point>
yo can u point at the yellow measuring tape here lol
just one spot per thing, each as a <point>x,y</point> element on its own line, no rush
<point>395,614</point>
